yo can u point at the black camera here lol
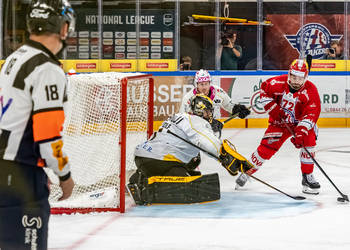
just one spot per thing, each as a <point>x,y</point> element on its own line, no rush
<point>331,51</point>
<point>224,38</point>
<point>185,66</point>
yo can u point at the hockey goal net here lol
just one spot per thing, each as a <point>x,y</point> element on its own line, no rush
<point>107,115</point>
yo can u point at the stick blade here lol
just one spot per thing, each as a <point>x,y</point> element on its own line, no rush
<point>343,199</point>
<point>299,198</point>
<point>309,61</point>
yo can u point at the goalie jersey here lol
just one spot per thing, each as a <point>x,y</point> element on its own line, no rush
<point>167,147</point>
<point>32,94</point>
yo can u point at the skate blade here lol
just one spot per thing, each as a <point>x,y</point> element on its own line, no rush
<point>314,191</point>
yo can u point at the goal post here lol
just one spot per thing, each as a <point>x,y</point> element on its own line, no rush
<point>107,116</point>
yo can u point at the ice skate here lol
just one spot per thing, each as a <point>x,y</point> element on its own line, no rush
<point>241,180</point>
<point>135,193</point>
<point>310,185</point>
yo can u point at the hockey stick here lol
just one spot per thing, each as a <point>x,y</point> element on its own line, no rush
<point>340,199</point>
<point>255,178</point>
<point>233,116</point>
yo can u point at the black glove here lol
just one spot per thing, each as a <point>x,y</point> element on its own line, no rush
<point>216,125</point>
<point>242,111</point>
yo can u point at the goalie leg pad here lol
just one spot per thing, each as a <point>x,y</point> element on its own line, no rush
<point>182,190</point>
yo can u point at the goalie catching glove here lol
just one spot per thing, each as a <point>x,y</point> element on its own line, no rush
<point>233,161</point>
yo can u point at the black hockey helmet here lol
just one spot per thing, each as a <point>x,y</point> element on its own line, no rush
<point>48,16</point>
<point>201,102</point>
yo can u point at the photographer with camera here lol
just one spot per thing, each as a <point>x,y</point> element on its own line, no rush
<point>231,52</point>
<point>186,63</point>
<point>334,52</point>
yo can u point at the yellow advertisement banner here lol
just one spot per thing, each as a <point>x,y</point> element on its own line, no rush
<point>81,65</point>
<point>330,65</point>
<point>157,65</point>
<point>118,65</point>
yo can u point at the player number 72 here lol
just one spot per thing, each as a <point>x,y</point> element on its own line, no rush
<point>287,105</point>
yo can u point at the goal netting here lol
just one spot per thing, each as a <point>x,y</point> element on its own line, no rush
<point>107,115</point>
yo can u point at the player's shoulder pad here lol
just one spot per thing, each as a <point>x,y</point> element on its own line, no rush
<point>218,88</point>
<point>310,85</point>
<point>51,70</point>
<point>277,79</point>
<point>198,122</point>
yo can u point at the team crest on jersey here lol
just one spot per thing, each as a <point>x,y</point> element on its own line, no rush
<point>315,38</point>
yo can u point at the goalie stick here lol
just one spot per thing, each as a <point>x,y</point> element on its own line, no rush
<point>344,197</point>
<point>255,178</point>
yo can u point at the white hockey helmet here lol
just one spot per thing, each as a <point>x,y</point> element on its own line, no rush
<point>202,76</point>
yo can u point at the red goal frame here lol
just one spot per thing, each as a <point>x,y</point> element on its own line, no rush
<point>122,142</point>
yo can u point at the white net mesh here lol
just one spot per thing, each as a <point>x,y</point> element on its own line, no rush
<point>91,136</point>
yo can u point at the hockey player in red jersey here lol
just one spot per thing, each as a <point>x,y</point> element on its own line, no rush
<point>33,86</point>
<point>290,100</point>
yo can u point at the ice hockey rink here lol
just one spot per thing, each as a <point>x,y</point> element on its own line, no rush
<point>255,217</point>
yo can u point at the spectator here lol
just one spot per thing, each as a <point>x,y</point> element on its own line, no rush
<point>334,52</point>
<point>231,52</point>
<point>186,63</point>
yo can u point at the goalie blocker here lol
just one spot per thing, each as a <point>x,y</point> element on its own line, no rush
<point>176,189</point>
<point>232,160</point>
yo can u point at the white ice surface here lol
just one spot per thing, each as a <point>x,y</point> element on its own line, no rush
<point>255,217</point>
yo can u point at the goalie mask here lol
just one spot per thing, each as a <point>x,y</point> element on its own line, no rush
<point>297,74</point>
<point>48,16</point>
<point>202,106</point>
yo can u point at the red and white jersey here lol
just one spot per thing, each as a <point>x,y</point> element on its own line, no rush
<point>32,92</point>
<point>303,106</point>
<point>219,97</point>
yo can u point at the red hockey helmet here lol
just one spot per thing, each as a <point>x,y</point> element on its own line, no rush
<point>298,72</point>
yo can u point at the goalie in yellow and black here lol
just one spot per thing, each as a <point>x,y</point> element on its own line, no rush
<point>167,162</point>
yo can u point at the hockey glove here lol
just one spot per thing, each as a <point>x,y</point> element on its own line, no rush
<point>300,135</point>
<point>278,114</point>
<point>242,111</point>
<point>217,126</point>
